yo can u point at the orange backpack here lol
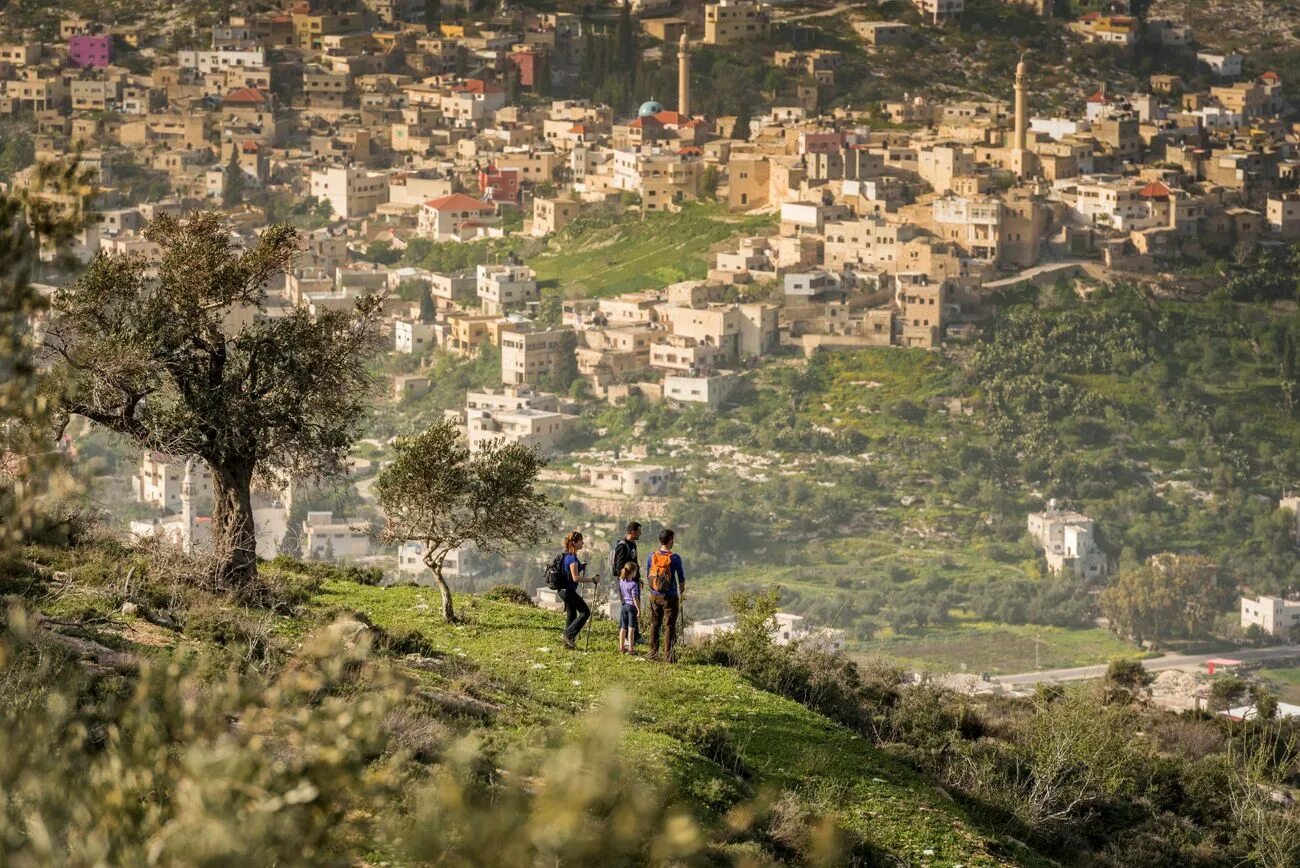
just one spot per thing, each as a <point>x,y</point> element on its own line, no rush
<point>661,571</point>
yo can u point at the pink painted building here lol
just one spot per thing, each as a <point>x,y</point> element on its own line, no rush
<point>499,185</point>
<point>91,50</point>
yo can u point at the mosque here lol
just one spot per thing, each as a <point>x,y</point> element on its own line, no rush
<point>656,125</point>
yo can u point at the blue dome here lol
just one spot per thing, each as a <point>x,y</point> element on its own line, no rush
<point>650,107</point>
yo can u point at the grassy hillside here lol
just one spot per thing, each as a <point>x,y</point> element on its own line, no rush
<point>500,677</point>
<point>147,716</point>
<point>784,744</point>
<point>608,256</point>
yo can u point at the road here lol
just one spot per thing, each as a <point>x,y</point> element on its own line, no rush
<point>1154,664</point>
<point>802,16</point>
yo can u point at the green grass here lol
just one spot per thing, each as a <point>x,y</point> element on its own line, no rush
<point>1287,679</point>
<point>536,682</point>
<point>1001,649</point>
<point>632,254</point>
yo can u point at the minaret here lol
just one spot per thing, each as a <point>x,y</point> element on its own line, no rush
<point>1022,131</point>
<point>683,77</point>
<point>187,508</point>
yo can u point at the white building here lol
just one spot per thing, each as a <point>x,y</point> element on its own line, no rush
<point>940,11</point>
<point>517,414</point>
<point>505,286</point>
<point>455,218</point>
<point>788,628</point>
<point>1274,615</point>
<point>413,336</point>
<point>220,59</point>
<point>186,530</point>
<point>351,191</point>
<point>459,563</point>
<point>1222,65</point>
<point>1067,540</point>
<point>634,481</point>
<point>711,390</point>
<point>324,538</point>
<point>161,478</point>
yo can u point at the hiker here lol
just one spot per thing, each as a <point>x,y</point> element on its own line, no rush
<point>573,570</point>
<point>622,554</point>
<point>667,589</point>
<point>629,592</point>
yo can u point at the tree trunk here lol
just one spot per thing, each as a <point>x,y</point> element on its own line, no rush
<point>435,564</point>
<point>234,537</point>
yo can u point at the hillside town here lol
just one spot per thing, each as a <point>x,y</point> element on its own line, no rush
<point>380,128</point>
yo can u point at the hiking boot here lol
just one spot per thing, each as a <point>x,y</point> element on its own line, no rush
<point>570,644</point>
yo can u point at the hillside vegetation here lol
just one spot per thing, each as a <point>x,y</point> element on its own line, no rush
<point>147,719</point>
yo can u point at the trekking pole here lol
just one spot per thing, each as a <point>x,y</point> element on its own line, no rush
<point>591,617</point>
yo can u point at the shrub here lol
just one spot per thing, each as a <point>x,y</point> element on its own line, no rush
<point>509,594</point>
<point>824,680</point>
<point>170,781</point>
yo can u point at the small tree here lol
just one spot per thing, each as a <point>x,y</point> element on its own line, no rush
<point>232,190</point>
<point>741,128</point>
<point>1125,679</point>
<point>709,183</point>
<point>439,493</point>
<point>146,348</point>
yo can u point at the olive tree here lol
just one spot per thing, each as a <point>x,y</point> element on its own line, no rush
<point>441,494</point>
<point>30,222</point>
<point>169,351</point>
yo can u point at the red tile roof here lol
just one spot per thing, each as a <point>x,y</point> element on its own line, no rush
<point>244,96</point>
<point>475,85</point>
<point>667,117</point>
<point>458,202</point>
<point>1155,190</point>
<point>1098,97</point>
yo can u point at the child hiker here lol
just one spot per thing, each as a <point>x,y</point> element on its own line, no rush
<point>629,591</point>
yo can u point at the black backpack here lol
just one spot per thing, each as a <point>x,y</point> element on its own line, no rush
<point>555,574</point>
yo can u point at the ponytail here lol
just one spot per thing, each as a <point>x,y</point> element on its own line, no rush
<point>571,541</point>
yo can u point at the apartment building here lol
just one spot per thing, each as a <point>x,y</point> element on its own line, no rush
<point>1068,541</point>
<point>516,415</point>
<point>329,539</point>
<point>1276,616</point>
<point>1283,216</point>
<point>920,302</point>
<point>552,215</point>
<point>309,31</point>
<point>412,336</point>
<point>160,477</point>
<point>660,177</point>
<point>528,356</point>
<point>351,191</point>
<point>502,287</point>
<point>732,21</point>
<point>940,11</point>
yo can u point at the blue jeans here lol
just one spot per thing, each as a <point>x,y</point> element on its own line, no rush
<point>576,613</point>
<point>627,618</point>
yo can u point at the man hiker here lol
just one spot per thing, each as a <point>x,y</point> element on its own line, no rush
<point>667,584</point>
<point>573,572</point>
<point>623,553</point>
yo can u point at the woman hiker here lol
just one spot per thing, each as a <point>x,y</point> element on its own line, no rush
<point>576,611</point>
